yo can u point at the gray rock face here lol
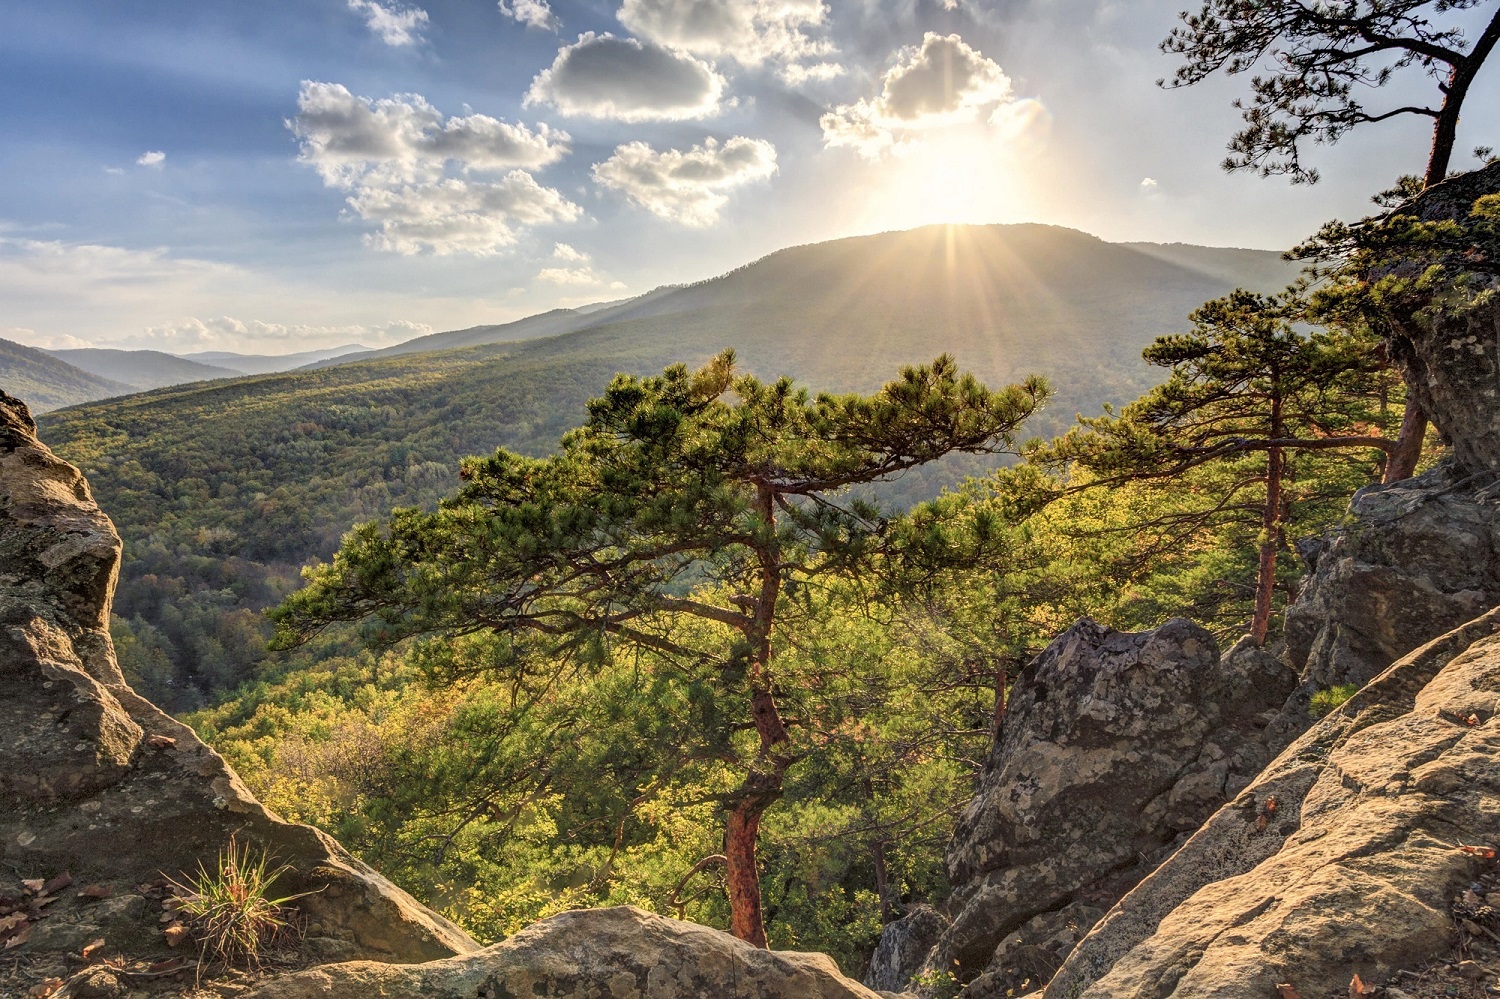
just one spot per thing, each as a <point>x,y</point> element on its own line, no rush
<point>1114,746</point>
<point>904,946</point>
<point>621,953</point>
<point>1344,857</point>
<point>97,783</point>
<point>1417,559</point>
<point>1447,351</point>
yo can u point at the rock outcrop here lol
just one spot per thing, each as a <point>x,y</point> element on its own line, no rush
<point>99,784</point>
<point>1346,856</point>
<point>1114,747</point>
<point>1414,560</point>
<point>1448,347</point>
<point>621,953</point>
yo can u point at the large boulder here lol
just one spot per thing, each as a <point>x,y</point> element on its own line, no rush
<point>1114,747</point>
<point>621,953</point>
<point>1445,345</point>
<point>1414,560</point>
<point>1346,856</point>
<point>98,784</point>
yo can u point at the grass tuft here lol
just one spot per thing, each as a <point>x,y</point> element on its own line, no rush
<point>230,911</point>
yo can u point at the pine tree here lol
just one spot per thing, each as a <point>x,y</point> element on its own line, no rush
<point>701,495</point>
<point>1246,382</point>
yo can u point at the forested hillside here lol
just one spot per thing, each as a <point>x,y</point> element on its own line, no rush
<point>47,382</point>
<point>223,490</point>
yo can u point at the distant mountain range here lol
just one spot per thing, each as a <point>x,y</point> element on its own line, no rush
<point>264,364</point>
<point>144,369</point>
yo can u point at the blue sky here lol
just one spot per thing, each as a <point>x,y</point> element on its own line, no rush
<point>277,176</point>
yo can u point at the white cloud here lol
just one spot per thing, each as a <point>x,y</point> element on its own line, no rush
<point>59,294</point>
<point>941,82</point>
<point>578,270</point>
<point>151,158</point>
<point>411,169</point>
<point>1147,183</point>
<point>395,24</point>
<point>602,76</point>
<point>751,32</point>
<point>225,333</point>
<point>532,13</point>
<point>31,338</point>
<point>686,187</point>
<point>113,171</point>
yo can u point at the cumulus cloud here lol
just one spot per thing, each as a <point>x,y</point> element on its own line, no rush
<point>413,170</point>
<point>686,187</point>
<point>602,76</point>
<point>577,269</point>
<point>532,13</point>
<point>395,24</point>
<point>751,32</point>
<point>151,158</point>
<point>942,81</point>
<point>1147,183</point>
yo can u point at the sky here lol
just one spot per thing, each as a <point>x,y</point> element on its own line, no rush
<point>284,175</point>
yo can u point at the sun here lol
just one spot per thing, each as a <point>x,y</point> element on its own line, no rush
<point>978,173</point>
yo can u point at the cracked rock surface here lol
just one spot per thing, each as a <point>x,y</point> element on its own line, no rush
<point>1344,857</point>
<point>1114,747</point>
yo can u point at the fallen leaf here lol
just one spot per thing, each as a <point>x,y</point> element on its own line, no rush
<point>1261,823</point>
<point>176,934</point>
<point>20,937</point>
<point>57,884</point>
<point>41,902</point>
<point>48,988</point>
<point>1472,719</point>
<point>1358,988</point>
<point>92,947</point>
<point>32,885</point>
<point>1288,992</point>
<point>1483,852</point>
<point>95,891</point>
<point>1271,805</point>
<point>7,923</point>
<point>160,741</point>
<point>168,966</point>
<point>1472,900</point>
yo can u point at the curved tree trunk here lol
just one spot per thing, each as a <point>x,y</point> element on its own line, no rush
<point>1402,463</point>
<point>1445,129</point>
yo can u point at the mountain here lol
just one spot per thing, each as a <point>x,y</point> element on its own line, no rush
<point>261,474</point>
<point>46,382</point>
<point>1001,297</point>
<point>143,369</point>
<point>261,364</point>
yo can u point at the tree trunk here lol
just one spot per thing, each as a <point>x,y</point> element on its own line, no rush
<point>1270,538</point>
<point>1402,463</point>
<point>883,883</point>
<point>746,920</point>
<point>763,785</point>
<point>1445,129</point>
<point>997,721</point>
